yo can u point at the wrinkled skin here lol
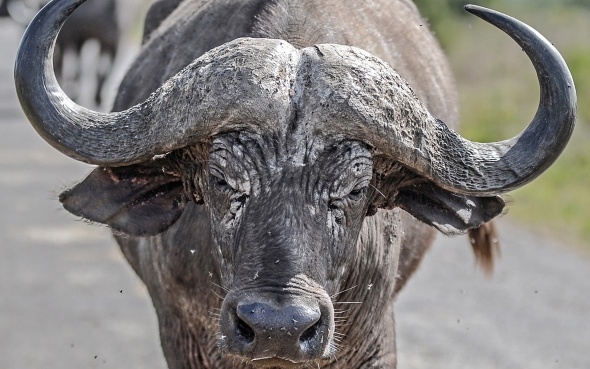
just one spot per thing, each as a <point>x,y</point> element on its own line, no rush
<point>313,240</point>
<point>313,227</point>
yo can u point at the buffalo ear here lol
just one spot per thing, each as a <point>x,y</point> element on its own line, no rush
<point>450,213</point>
<point>139,200</point>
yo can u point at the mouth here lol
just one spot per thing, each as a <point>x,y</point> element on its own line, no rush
<point>275,363</point>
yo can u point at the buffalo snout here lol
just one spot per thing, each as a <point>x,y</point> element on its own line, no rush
<point>267,329</point>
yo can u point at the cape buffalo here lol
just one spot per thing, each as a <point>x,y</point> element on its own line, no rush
<point>4,8</point>
<point>22,11</point>
<point>95,20</point>
<point>274,169</point>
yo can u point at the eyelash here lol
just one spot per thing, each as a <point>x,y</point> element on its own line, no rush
<point>356,193</point>
<point>220,183</point>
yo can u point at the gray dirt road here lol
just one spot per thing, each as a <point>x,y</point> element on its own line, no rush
<point>69,301</point>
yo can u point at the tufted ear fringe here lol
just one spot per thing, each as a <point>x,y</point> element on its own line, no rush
<point>486,247</point>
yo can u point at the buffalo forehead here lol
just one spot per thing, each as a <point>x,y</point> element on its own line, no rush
<point>351,93</point>
<point>241,85</point>
<point>269,86</point>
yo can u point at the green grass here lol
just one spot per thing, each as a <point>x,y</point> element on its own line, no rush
<point>559,200</point>
<point>499,96</point>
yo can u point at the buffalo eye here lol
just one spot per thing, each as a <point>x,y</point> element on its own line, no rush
<point>338,205</point>
<point>220,184</point>
<point>357,193</point>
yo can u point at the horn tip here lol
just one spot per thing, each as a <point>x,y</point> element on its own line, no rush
<point>476,9</point>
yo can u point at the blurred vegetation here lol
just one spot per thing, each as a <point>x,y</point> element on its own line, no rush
<point>499,95</point>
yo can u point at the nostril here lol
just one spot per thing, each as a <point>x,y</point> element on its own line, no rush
<point>244,331</point>
<point>310,332</point>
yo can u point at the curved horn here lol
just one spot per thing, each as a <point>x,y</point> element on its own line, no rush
<point>213,94</point>
<point>493,168</point>
<point>504,166</point>
<point>363,98</point>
